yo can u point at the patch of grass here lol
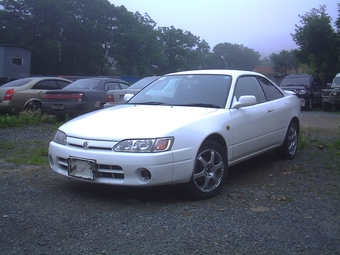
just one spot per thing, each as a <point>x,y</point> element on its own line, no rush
<point>23,119</point>
<point>6,146</point>
<point>303,142</point>
<point>36,153</point>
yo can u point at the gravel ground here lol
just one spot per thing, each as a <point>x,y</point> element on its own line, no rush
<point>268,206</point>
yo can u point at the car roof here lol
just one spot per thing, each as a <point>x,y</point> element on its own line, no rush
<point>218,72</point>
<point>102,79</point>
<point>299,76</point>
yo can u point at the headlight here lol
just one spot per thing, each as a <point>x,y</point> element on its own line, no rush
<point>302,92</point>
<point>334,93</point>
<point>144,145</point>
<point>60,137</point>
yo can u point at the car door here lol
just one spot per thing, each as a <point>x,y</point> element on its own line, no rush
<point>253,126</point>
<point>42,86</point>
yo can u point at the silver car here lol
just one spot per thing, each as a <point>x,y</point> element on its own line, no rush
<point>26,94</point>
<point>116,97</point>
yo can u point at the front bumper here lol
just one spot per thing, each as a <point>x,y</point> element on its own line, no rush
<point>127,169</point>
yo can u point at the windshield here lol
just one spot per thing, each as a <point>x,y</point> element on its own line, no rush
<point>186,90</point>
<point>84,84</point>
<point>17,83</point>
<point>336,82</point>
<point>290,81</point>
<point>143,82</point>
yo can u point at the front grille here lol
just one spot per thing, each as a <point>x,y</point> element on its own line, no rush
<point>103,171</point>
<point>91,147</point>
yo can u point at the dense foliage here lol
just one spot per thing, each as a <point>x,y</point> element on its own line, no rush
<point>318,46</point>
<point>95,37</point>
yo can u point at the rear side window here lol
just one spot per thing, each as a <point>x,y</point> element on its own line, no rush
<point>46,85</point>
<point>62,84</point>
<point>269,89</point>
<point>112,86</point>
<point>124,85</point>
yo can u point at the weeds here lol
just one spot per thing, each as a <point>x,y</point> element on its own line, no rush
<point>23,119</point>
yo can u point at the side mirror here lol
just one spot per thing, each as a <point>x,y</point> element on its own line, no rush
<point>245,101</point>
<point>127,97</point>
<point>329,85</point>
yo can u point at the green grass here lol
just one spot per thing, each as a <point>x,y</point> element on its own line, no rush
<point>19,152</point>
<point>23,119</point>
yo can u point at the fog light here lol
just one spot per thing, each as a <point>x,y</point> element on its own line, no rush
<point>146,175</point>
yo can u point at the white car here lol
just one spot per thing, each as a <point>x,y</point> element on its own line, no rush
<point>116,96</point>
<point>186,127</point>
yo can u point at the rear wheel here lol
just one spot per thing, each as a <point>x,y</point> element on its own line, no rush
<point>289,147</point>
<point>34,108</point>
<point>210,171</point>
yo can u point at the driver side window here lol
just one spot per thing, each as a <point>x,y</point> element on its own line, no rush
<point>249,86</point>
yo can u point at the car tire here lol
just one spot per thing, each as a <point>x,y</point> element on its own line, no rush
<point>326,107</point>
<point>34,109</point>
<point>290,145</point>
<point>210,171</point>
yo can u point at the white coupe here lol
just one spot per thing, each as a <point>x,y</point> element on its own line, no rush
<point>186,127</point>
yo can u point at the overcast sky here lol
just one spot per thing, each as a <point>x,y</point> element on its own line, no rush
<point>263,25</point>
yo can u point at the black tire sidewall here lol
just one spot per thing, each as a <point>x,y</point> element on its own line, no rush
<point>192,189</point>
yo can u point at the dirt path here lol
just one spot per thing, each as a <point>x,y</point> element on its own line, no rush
<point>323,121</point>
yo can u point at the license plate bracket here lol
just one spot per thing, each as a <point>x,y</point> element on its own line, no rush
<point>57,107</point>
<point>81,168</point>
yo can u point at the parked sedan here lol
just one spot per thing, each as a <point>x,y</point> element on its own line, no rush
<point>186,127</point>
<point>26,94</point>
<point>82,96</point>
<point>116,97</point>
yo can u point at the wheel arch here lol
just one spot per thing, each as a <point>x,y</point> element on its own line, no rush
<point>297,122</point>
<point>218,139</point>
<point>33,100</point>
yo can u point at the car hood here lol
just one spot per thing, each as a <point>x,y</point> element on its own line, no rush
<point>133,121</point>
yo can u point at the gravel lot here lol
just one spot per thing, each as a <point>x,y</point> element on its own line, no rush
<point>268,206</point>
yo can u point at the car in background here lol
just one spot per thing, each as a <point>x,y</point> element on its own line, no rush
<point>307,87</point>
<point>331,95</point>
<point>116,97</point>
<point>81,96</point>
<point>185,128</point>
<point>26,94</point>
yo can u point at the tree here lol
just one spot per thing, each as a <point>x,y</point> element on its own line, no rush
<point>181,50</point>
<point>234,56</point>
<point>317,41</point>
<point>284,62</point>
<point>135,46</point>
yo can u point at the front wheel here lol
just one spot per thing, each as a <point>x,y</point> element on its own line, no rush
<point>289,147</point>
<point>210,171</point>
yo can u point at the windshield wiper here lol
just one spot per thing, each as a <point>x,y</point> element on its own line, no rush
<point>151,103</point>
<point>202,105</point>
